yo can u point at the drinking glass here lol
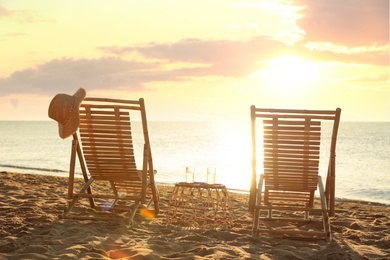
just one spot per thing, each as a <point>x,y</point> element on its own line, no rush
<point>211,175</point>
<point>190,171</point>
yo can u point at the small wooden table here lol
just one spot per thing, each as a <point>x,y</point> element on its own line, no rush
<point>200,205</point>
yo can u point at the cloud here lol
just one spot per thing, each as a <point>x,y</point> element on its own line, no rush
<point>225,57</point>
<point>377,79</point>
<point>238,58</point>
<point>4,11</point>
<point>57,75</point>
<point>11,35</point>
<point>369,55</point>
<point>219,58</point>
<point>22,16</point>
<point>346,22</point>
<point>196,58</point>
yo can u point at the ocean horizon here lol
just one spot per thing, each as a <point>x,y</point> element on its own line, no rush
<point>362,153</point>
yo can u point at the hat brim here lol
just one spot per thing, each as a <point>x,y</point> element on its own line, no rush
<point>72,124</point>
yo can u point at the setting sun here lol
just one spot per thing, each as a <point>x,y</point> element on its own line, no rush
<point>290,74</point>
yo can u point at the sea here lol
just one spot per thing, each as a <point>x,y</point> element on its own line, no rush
<point>362,153</point>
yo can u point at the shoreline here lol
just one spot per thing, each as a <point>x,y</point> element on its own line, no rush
<point>30,228</point>
<point>64,174</point>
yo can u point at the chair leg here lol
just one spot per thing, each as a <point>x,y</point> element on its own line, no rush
<point>256,213</point>
<point>326,224</point>
<point>259,190</point>
<point>270,210</point>
<point>325,213</point>
<point>72,203</point>
<point>256,216</point>
<point>307,211</point>
<point>129,221</point>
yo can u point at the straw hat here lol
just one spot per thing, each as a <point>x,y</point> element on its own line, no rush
<point>65,110</point>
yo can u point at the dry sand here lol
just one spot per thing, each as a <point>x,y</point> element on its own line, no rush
<point>31,229</point>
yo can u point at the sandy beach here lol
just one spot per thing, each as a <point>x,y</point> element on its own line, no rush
<point>30,228</point>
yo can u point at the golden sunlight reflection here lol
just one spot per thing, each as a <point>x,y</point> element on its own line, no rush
<point>233,167</point>
<point>235,170</point>
<point>147,213</point>
<point>259,152</point>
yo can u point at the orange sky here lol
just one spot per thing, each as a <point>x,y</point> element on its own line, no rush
<point>197,60</point>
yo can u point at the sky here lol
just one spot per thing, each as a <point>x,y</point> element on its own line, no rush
<point>197,60</point>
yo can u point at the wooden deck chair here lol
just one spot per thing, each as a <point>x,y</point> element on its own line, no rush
<point>105,148</point>
<point>291,157</point>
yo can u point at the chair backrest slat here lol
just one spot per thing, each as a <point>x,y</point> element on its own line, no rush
<point>287,145</point>
<point>291,148</point>
<point>106,137</point>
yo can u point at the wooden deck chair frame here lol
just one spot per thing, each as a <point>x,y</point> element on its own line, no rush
<point>104,147</point>
<point>291,146</point>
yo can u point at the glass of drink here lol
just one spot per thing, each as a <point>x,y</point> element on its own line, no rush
<point>211,171</point>
<point>190,171</point>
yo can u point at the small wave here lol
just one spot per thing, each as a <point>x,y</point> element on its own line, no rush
<point>31,168</point>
